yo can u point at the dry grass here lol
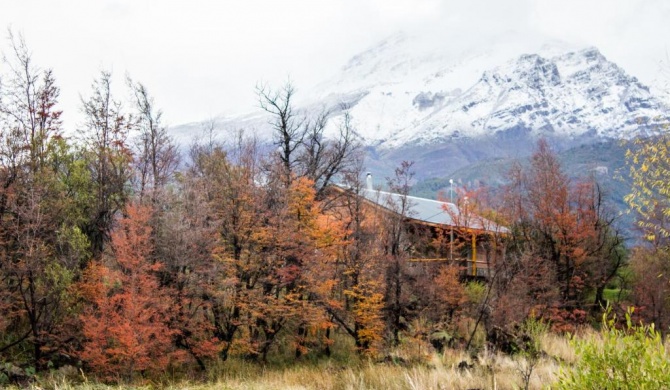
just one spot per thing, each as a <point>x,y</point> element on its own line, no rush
<point>558,348</point>
<point>429,371</point>
<point>488,371</point>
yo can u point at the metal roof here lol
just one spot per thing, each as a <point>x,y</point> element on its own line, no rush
<point>431,211</point>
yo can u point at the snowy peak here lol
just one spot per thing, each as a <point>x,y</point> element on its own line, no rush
<point>406,91</point>
<point>433,60</point>
<point>566,94</point>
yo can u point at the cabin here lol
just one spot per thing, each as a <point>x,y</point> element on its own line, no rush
<point>443,231</point>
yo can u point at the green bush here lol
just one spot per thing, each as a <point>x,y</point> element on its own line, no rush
<point>630,358</point>
<point>475,291</point>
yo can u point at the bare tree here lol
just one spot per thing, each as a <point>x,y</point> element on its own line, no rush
<point>104,135</point>
<point>157,155</point>
<point>304,148</point>
<point>289,131</point>
<point>28,116</point>
<point>321,159</point>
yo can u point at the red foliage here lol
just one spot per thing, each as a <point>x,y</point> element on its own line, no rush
<point>564,246</point>
<point>565,320</point>
<point>125,326</point>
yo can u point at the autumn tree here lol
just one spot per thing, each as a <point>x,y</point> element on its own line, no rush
<point>265,239</point>
<point>356,300</point>
<point>305,154</point>
<point>296,245</point>
<point>125,325</point>
<point>395,243</point>
<point>561,227</point>
<point>449,293</point>
<point>649,200</point>
<point>225,181</point>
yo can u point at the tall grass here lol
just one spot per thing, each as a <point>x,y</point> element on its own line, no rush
<point>452,369</point>
<point>438,371</point>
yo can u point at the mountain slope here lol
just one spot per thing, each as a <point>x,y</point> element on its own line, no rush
<point>570,94</point>
<point>446,106</point>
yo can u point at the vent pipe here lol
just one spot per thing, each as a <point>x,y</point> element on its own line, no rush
<point>368,181</point>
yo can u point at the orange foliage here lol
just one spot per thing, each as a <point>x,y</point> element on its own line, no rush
<point>125,324</point>
<point>450,293</point>
<point>367,308</point>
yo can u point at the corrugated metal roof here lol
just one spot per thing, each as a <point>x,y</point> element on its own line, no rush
<point>431,211</point>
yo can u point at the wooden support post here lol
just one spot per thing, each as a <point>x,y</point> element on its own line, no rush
<point>495,253</point>
<point>474,254</point>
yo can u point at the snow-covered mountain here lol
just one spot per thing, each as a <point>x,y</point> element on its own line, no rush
<point>446,105</point>
<point>398,100</point>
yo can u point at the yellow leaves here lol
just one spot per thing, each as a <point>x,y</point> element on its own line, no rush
<point>367,305</point>
<point>301,201</point>
<point>368,313</point>
<point>329,233</point>
<point>649,169</point>
<point>324,287</point>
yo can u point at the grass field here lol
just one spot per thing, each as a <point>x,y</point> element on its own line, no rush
<point>452,369</point>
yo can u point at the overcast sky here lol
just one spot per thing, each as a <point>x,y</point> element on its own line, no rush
<point>203,58</point>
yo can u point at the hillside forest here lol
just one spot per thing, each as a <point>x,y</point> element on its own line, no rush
<point>126,255</point>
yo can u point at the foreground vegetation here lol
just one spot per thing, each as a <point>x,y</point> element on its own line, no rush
<point>438,374</point>
<point>615,358</point>
<point>405,368</point>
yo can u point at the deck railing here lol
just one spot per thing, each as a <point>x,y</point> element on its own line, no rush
<point>479,268</point>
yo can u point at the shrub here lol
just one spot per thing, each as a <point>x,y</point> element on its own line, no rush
<point>633,357</point>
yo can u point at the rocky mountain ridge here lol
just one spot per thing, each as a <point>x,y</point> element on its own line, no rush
<point>447,107</point>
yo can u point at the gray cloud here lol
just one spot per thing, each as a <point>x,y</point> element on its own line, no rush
<point>203,58</point>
